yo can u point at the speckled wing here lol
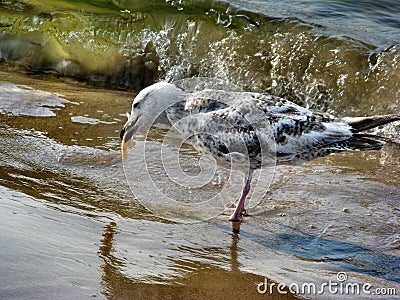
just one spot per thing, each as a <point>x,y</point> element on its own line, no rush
<point>301,134</point>
<point>229,125</point>
<point>300,138</point>
<point>249,126</point>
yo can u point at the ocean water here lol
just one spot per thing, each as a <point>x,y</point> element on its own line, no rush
<point>374,23</point>
<point>72,226</point>
<point>336,56</point>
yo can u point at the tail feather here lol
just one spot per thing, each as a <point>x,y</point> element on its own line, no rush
<point>365,123</point>
<point>364,142</point>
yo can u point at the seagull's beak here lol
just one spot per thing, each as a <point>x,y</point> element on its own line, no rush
<point>126,134</point>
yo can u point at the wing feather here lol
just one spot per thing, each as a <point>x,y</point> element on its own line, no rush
<point>234,124</point>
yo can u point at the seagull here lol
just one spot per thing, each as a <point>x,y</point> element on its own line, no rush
<point>247,130</point>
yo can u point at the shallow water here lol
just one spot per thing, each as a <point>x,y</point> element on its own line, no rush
<point>72,226</point>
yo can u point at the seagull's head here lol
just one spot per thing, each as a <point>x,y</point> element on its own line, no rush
<point>147,106</point>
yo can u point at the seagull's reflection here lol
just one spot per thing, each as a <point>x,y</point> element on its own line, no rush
<point>111,275</point>
<point>234,247</point>
<point>107,241</point>
<point>202,276</point>
<point>236,227</point>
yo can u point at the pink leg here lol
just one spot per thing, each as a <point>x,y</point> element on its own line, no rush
<point>240,206</point>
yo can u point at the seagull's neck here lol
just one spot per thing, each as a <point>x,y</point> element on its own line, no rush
<point>173,107</point>
<point>176,112</point>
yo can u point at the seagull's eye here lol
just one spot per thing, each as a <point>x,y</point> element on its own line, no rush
<point>135,105</point>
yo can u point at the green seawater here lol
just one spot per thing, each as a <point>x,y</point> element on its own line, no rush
<point>134,43</point>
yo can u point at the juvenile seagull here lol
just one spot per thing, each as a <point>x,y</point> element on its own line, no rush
<point>245,130</point>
